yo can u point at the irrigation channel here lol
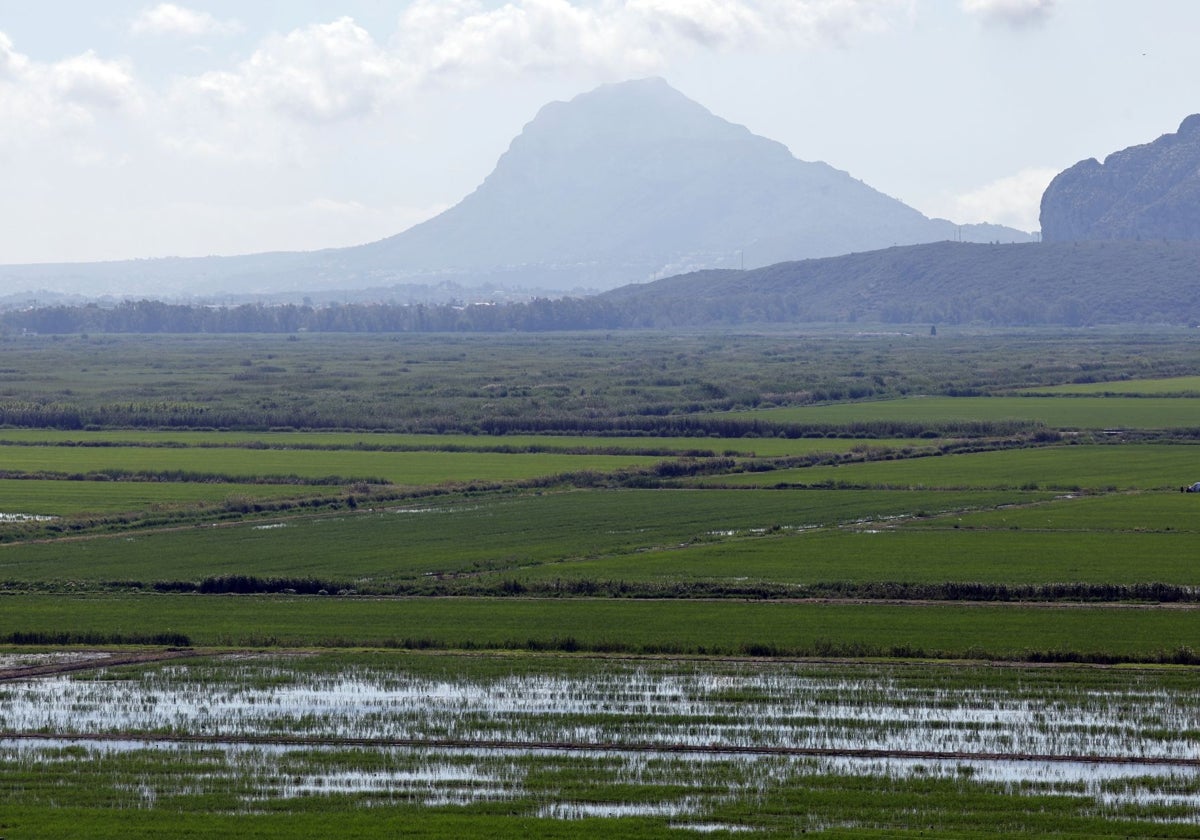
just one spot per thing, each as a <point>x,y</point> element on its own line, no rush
<point>445,729</point>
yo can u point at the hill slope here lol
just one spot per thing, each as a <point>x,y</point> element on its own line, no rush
<point>1069,284</point>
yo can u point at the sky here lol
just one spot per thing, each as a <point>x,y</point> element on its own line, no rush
<point>133,129</point>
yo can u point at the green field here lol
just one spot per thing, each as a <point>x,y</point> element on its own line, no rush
<point>81,498</point>
<point>567,519</point>
<point>1173,385</point>
<point>903,556</point>
<point>1096,467</point>
<point>575,444</point>
<point>644,626</point>
<point>1054,412</point>
<point>465,536</point>
<point>1122,512</point>
<point>411,468</point>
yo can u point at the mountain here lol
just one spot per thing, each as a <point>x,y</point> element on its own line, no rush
<point>625,183</point>
<point>1150,191</point>
<point>634,180</point>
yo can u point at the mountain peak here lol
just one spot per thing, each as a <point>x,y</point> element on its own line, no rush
<point>624,113</point>
<point>1190,125</point>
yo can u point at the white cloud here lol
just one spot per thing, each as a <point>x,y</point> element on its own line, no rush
<point>12,63</point>
<point>1014,200</point>
<point>37,98</point>
<point>321,73</point>
<point>337,71</point>
<point>170,19</point>
<point>462,38</point>
<point>92,82</point>
<point>467,42</point>
<point>752,24</point>
<point>1013,13</point>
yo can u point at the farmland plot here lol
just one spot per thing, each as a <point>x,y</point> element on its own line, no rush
<point>702,745</point>
<point>304,471</point>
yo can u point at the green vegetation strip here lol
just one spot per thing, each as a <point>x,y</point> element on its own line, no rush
<point>681,627</point>
<point>411,468</point>
<point>1129,512</point>
<point>762,447</point>
<point>875,555</point>
<point>487,533</point>
<point>76,498</point>
<point>833,806</point>
<point>1172,385</point>
<point>1055,412</point>
<point>1092,467</point>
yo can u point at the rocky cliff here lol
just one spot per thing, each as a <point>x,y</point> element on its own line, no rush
<point>1150,191</point>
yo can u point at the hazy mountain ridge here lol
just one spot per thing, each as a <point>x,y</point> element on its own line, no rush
<point>1054,284</point>
<point>625,183</point>
<point>1150,191</point>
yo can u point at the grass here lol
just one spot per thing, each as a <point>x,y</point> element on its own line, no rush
<point>471,535</point>
<point>410,468</point>
<point>573,444</point>
<point>1171,385</point>
<point>1055,412</point>
<point>363,407</point>
<point>683,627</point>
<point>1070,468</point>
<point>904,556</point>
<point>834,807</point>
<point>336,819</point>
<point>1125,512</point>
<point>79,498</point>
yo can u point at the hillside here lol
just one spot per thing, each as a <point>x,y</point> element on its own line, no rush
<point>1069,284</point>
<point>1074,284</point>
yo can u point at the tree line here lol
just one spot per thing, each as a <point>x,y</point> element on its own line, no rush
<point>152,316</point>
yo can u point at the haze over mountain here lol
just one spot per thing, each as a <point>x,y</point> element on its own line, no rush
<point>1151,191</point>
<point>625,183</point>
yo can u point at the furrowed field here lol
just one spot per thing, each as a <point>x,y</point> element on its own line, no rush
<point>571,585</point>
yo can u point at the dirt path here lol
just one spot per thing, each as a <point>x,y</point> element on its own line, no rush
<point>88,661</point>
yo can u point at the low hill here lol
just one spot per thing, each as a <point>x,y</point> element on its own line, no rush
<point>1070,284</point>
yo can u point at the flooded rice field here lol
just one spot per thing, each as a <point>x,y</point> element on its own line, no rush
<point>693,705</point>
<point>447,730</point>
